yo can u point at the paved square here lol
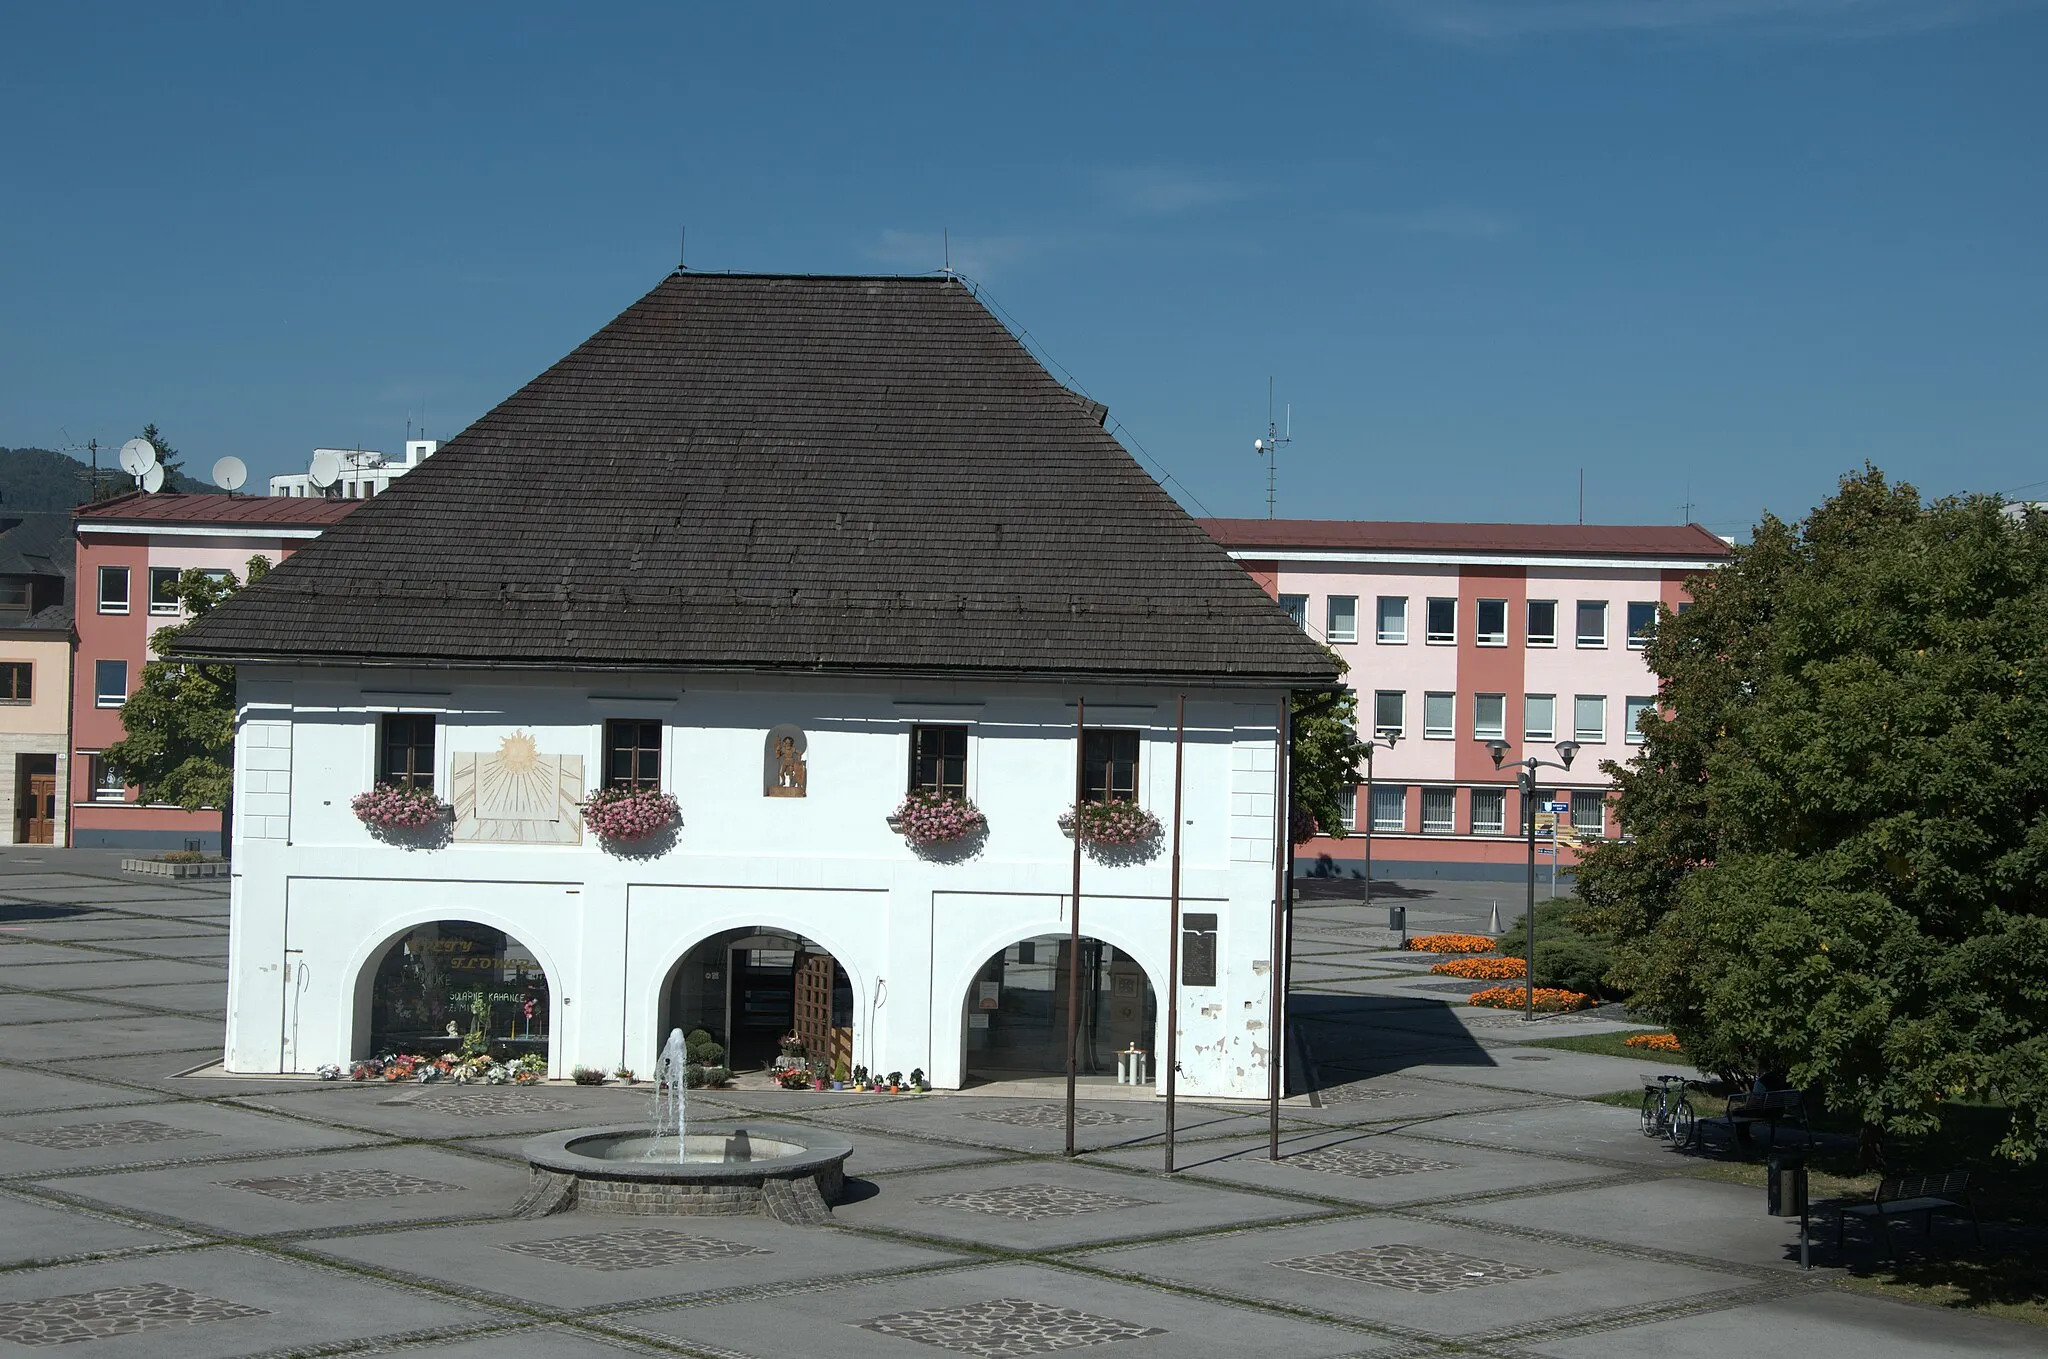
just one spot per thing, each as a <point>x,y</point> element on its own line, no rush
<point>334,1186</point>
<point>1030,1202</point>
<point>1412,1267</point>
<point>112,1311</point>
<point>1365,1163</point>
<point>1005,1327</point>
<point>133,1132</point>
<point>649,1248</point>
<point>1050,1116</point>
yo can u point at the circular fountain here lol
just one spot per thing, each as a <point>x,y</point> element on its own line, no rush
<point>671,1167</point>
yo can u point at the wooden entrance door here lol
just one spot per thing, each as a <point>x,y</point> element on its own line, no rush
<point>814,974</point>
<point>35,800</point>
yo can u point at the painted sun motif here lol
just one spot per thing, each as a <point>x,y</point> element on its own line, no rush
<point>518,754</point>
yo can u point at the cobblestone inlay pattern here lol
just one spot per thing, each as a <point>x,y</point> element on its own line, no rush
<point>1030,1202</point>
<point>1414,1268</point>
<point>132,1132</point>
<point>1005,1327</point>
<point>110,1312</point>
<point>1353,1094</point>
<point>337,1186</point>
<point>489,1105</point>
<point>614,1251</point>
<point>1050,1116</point>
<point>1365,1163</point>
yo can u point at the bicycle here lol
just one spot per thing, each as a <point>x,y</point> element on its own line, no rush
<point>1667,1112</point>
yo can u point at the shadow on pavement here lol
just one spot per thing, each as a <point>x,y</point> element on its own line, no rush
<point>30,911</point>
<point>1350,1038</point>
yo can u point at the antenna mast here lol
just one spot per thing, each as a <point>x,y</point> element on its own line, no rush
<point>1269,447</point>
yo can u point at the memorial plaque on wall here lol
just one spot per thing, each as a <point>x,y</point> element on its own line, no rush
<point>1198,949</point>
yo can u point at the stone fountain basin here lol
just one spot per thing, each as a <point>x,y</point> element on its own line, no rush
<point>729,1169</point>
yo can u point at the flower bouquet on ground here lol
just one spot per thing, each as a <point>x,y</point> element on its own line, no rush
<point>1110,825</point>
<point>1549,999</point>
<point>1452,943</point>
<point>626,815</point>
<point>927,819</point>
<point>397,807</point>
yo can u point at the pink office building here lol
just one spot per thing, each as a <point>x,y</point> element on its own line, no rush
<point>131,551</point>
<point>1461,634</point>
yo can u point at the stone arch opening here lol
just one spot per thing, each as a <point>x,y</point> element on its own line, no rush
<point>752,987</point>
<point>1015,1011</point>
<point>454,986</point>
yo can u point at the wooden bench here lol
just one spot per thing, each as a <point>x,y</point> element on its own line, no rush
<point>1770,1107</point>
<point>1904,1195</point>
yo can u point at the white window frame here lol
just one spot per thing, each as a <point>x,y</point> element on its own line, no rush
<point>96,790</point>
<point>1430,635</point>
<point>1347,808</point>
<point>127,598</point>
<point>1579,633</point>
<point>101,698</point>
<point>1384,635</point>
<point>1637,641</point>
<point>1385,796</point>
<point>1335,633</point>
<point>1498,730</point>
<point>159,609</point>
<point>1533,731</point>
<point>1479,633</point>
<point>1533,637</point>
<point>1583,733</point>
<point>1382,730</point>
<point>1632,709</point>
<point>1441,797</point>
<point>1599,798</point>
<point>1449,730</point>
<point>1297,609</point>
<point>1498,798</point>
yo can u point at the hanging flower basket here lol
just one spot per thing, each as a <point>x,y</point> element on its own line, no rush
<point>1110,825</point>
<point>395,807</point>
<point>624,815</point>
<point>927,818</point>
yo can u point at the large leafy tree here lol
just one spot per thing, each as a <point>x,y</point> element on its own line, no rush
<point>1327,753</point>
<point>1837,867</point>
<point>180,721</point>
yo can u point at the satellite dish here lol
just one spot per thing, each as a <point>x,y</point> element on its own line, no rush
<point>153,479</point>
<point>137,456</point>
<point>229,474</point>
<point>326,468</point>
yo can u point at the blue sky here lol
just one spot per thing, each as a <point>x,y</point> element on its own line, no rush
<point>1721,250</point>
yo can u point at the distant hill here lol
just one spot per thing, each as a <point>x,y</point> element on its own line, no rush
<point>41,479</point>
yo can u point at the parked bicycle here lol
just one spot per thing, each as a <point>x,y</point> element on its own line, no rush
<point>1666,1110</point>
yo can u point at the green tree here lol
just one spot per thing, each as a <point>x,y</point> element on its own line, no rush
<point>1837,867</point>
<point>180,721</point>
<point>165,454</point>
<point>1327,753</point>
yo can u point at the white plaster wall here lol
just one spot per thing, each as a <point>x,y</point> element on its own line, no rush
<point>316,897</point>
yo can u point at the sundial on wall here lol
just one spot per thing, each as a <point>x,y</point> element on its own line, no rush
<point>517,795</point>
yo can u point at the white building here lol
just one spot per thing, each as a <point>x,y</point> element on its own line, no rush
<point>357,473</point>
<point>852,513</point>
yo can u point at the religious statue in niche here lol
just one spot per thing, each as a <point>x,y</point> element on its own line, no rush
<point>517,795</point>
<point>784,772</point>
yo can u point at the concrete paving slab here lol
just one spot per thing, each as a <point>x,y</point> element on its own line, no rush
<point>584,1260</point>
<point>16,954</point>
<point>165,1071</point>
<point>33,1232</point>
<point>1598,1132</point>
<point>1042,1205</point>
<point>211,1304</point>
<point>1342,1098</point>
<point>976,1311</point>
<point>28,1007</point>
<point>1818,1324</point>
<point>125,1032</point>
<point>1038,1125</point>
<point>448,1111</point>
<point>1446,1281</point>
<point>198,998</point>
<point>104,971</point>
<point>1550,1072</point>
<point>1377,1169</point>
<point>532,1342</point>
<point>316,1193</point>
<point>25,1091</point>
<point>40,1145</point>
<point>198,948</point>
<point>1693,1217</point>
<point>791,1103</point>
<point>103,928</point>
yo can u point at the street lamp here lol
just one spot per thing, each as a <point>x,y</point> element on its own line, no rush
<point>1525,780</point>
<point>1370,746</point>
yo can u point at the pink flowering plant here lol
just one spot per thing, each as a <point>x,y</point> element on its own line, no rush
<point>1110,825</point>
<point>624,815</point>
<point>928,817</point>
<point>398,807</point>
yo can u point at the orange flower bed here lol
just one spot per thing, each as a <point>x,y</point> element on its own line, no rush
<point>1484,969</point>
<point>1451,943</point>
<point>1655,1042</point>
<point>1549,999</point>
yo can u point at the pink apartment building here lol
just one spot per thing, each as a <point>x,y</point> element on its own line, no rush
<point>1461,634</point>
<point>131,552</point>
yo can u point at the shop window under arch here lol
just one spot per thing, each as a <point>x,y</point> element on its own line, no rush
<point>1016,1010</point>
<point>455,986</point>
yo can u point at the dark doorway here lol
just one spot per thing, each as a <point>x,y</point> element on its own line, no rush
<point>1016,1011</point>
<point>35,799</point>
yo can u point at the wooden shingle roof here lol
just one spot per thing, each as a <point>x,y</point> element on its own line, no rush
<point>862,475</point>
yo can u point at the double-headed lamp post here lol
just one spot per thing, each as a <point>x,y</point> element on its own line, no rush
<point>1386,741</point>
<point>1525,780</point>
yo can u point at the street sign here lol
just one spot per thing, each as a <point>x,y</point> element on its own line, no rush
<point>1557,806</point>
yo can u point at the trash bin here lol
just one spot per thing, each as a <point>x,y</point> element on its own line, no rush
<point>1397,918</point>
<point>1786,1185</point>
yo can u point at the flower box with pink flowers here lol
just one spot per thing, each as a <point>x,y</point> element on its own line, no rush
<point>1110,825</point>
<point>397,807</point>
<point>627,815</point>
<point>927,819</point>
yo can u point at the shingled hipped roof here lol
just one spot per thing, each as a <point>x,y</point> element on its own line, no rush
<point>860,475</point>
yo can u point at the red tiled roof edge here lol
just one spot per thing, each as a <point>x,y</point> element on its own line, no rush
<point>1364,535</point>
<point>219,509</point>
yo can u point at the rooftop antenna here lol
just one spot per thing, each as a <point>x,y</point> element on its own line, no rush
<point>1269,447</point>
<point>325,471</point>
<point>946,248</point>
<point>229,474</point>
<point>682,247</point>
<point>138,460</point>
<point>1582,497</point>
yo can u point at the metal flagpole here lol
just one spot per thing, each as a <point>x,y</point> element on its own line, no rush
<point>1180,736</point>
<point>1283,855</point>
<point>1074,920</point>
